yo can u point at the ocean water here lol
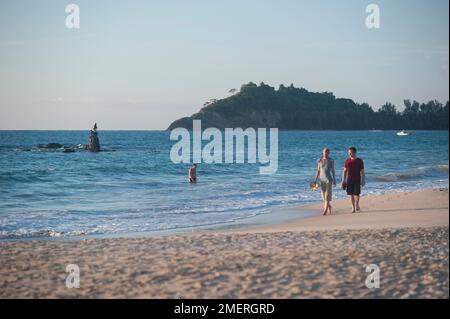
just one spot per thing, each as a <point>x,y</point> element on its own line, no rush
<point>133,187</point>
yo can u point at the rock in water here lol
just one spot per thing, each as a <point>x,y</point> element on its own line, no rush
<point>94,143</point>
<point>50,145</point>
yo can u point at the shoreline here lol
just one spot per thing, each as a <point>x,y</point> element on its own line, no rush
<point>389,210</point>
<point>297,217</point>
<point>295,259</point>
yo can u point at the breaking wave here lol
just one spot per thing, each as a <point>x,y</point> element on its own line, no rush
<point>414,174</point>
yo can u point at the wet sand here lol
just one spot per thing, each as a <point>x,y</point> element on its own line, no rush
<point>406,236</point>
<point>424,208</point>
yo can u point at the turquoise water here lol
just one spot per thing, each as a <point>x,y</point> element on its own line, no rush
<point>133,186</point>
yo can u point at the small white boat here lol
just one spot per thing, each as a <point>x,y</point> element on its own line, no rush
<point>403,133</point>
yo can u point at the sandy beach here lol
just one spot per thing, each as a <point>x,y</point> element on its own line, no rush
<point>404,234</point>
<point>425,208</point>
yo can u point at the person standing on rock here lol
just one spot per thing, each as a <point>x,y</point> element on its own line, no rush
<point>94,130</point>
<point>94,143</point>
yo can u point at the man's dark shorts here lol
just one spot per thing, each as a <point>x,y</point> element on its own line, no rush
<point>353,188</point>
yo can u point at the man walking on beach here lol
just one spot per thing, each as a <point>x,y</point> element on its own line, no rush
<point>353,178</point>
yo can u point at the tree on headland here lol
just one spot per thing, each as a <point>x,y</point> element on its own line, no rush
<point>389,109</point>
<point>212,101</point>
<point>411,108</point>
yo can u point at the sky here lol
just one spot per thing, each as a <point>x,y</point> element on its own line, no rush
<point>139,65</point>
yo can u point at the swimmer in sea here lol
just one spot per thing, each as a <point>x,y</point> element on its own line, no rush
<point>193,174</point>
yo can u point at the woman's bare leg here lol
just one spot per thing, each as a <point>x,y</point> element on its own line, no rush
<point>325,207</point>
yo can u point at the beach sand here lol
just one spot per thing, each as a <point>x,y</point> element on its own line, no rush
<point>425,208</point>
<point>404,234</point>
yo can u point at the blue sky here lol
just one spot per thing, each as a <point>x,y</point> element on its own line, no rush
<point>142,64</point>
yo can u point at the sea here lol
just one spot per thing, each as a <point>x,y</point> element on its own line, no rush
<point>132,187</point>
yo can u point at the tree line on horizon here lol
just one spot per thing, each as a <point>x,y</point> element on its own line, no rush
<point>291,108</point>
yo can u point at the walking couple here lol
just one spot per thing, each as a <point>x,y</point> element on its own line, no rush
<point>353,178</point>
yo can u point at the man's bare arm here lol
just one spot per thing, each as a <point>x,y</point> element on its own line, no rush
<point>344,176</point>
<point>363,178</point>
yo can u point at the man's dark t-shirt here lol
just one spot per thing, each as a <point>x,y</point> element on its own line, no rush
<point>354,168</point>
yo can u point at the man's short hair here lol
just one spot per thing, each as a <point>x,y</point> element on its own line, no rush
<point>195,165</point>
<point>353,149</point>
